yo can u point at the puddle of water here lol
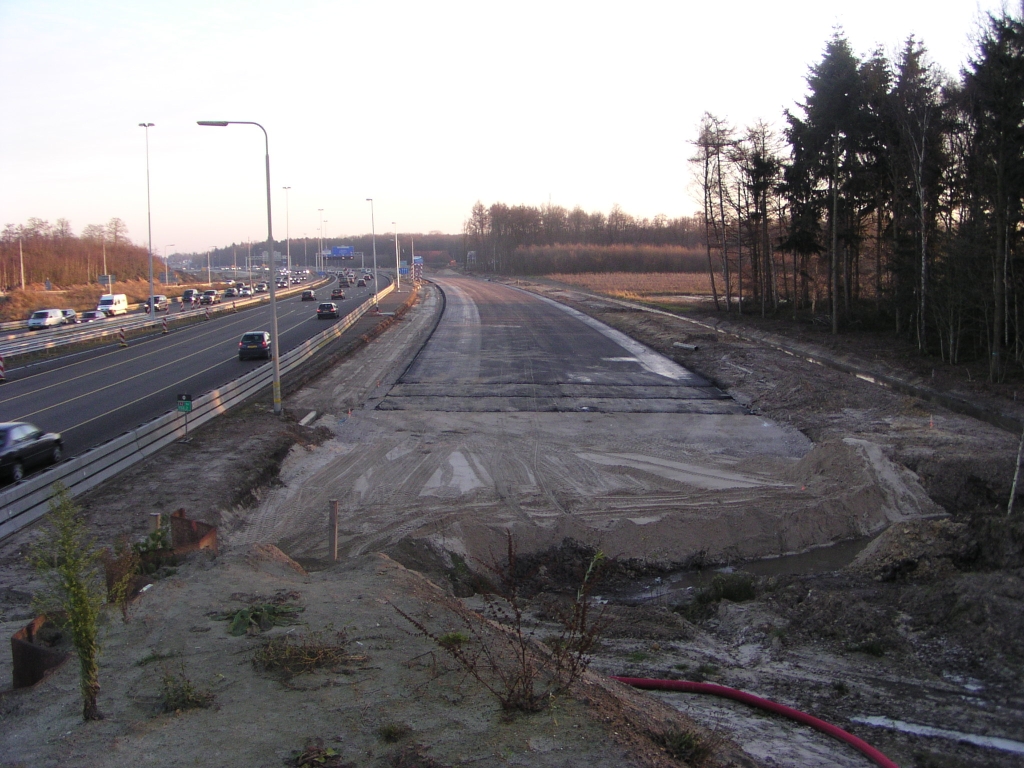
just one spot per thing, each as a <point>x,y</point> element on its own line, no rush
<point>992,742</point>
<point>679,586</point>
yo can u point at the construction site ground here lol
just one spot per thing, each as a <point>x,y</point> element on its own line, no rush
<point>918,626</point>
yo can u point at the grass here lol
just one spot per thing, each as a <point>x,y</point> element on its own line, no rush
<point>634,285</point>
<point>391,733</point>
<point>735,587</point>
<point>155,656</point>
<point>295,654</point>
<point>260,617</point>
<point>687,746</point>
<point>181,694</point>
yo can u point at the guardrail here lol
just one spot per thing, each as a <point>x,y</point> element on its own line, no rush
<point>65,335</point>
<point>25,502</point>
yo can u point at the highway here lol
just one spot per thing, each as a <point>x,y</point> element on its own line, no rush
<point>500,349</point>
<point>93,396</point>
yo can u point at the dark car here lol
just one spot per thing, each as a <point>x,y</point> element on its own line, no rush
<point>70,316</point>
<point>337,293</point>
<point>309,295</point>
<point>361,283</point>
<point>255,345</point>
<point>327,309</point>
<point>91,316</point>
<point>23,445</point>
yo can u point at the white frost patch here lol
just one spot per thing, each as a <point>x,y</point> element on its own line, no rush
<point>484,474</point>
<point>620,359</point>
<point>691,474</point>
<point>397,452</point>
<point>463,478</point>
<point>362,484</point>
<point>993,742</point>
<point>644,520</point>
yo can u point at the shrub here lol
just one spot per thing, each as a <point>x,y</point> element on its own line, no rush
<point>67,560</point>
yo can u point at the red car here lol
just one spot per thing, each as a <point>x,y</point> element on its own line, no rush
<point>337,293</point>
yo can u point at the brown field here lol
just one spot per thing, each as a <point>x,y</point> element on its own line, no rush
<point>637,285</point>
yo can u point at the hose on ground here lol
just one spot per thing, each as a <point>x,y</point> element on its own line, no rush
<point>747,698</point>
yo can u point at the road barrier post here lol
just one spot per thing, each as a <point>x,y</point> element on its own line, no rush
<point>207,313</point>
<point>3,374</point>
<point>120,337</point>
<point>233,307</point>
<point>165,325</point>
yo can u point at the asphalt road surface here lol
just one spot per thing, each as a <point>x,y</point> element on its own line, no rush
<point>497,348</point>
<point>93,396</point>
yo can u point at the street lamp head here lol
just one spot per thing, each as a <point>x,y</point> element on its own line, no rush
<point>214,123</point>
<point>146,125</point>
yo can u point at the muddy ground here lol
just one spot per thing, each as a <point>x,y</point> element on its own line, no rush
<point>923,627</point>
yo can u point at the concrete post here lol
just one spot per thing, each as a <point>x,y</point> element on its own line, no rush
<point>332,532</point>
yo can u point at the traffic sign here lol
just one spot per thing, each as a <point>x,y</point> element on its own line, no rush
<point>185,403</point>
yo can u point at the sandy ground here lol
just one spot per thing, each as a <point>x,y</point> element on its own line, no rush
<point>923,628</point>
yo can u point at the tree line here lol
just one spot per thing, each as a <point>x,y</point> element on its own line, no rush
<point>45,251</point>
<point>892,194</point>
<point>510,239</point>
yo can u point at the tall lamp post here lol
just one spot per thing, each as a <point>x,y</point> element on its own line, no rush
<point>373,240</point>
<point>167,263</point>
<point>270,251</point>
<point>320,248</point>
<point>398,262</point>
<point>149,222</point>
<point>288,231</point>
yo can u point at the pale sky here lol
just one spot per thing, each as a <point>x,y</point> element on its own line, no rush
<point>424,106</point>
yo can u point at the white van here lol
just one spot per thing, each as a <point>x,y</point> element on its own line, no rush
<point>113,304</point>
<point>45,318</point>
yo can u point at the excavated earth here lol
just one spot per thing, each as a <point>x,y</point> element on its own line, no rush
<point>881,634</point>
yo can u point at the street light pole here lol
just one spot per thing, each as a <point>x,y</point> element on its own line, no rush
<point>167,264</point>
<point>288,230</point>
<point>320,249</point>
<point>270,250</point>
<point>373,240</point>
<point>149,222</point>
<point>209,273</point>
<point>398,262</point>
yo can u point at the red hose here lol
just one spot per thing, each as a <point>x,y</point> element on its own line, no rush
<point>731,693</point>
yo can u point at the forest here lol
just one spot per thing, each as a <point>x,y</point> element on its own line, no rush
<point>891,197</point>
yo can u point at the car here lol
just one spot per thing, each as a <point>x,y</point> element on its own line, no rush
<point>262,288</point>
<point>338,293</point>
<point>91,316</point>
<point>210,297</point>
<point>361,283</point>
<point>245,292</point>
<point>23,446</point>
<point>230,293</point>
<point>45,318</point>
<point>190,297</point>
<point>70,316</point>
<point>255,345</point>
<point>309,295</point>
<point>327,309</point>
<point>160,301</point>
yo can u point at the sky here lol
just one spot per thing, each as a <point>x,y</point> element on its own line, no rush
<point>426,107</point>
